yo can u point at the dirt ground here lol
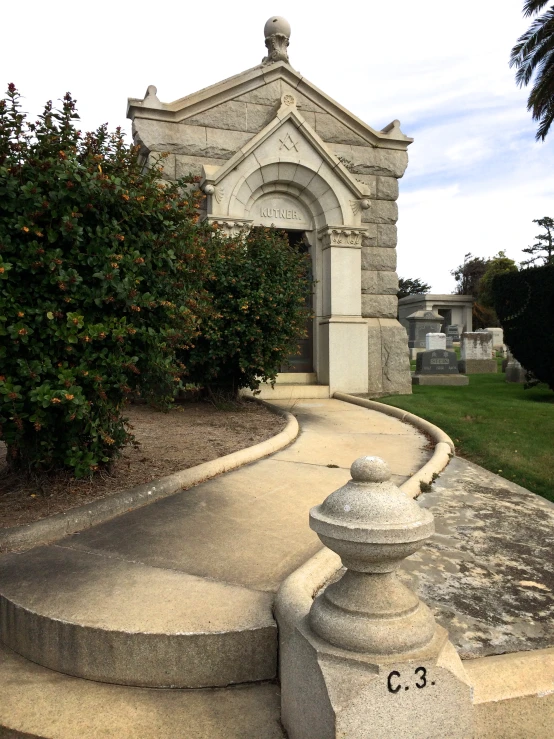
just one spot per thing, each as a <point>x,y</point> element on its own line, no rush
<point>188,435</point>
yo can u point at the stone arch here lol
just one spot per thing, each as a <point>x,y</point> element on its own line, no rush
<point>312,188</point>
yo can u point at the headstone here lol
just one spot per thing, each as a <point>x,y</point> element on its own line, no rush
<point>514,371</point>
<point>435,341</point>
<point>453,331</point>
<point>438,367</point>
<point>449,342</point>
<point>421,323</point>
<point>438,362</point>
<point>477,354</point>
<point>497,338</point>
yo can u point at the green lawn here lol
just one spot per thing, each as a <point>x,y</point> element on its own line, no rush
<point>496,424</point>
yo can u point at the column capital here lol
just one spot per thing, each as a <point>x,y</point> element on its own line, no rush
<point>341,236</point>
<point>230,226</point>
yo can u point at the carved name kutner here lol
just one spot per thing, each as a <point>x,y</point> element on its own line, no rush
<point>286,214</point>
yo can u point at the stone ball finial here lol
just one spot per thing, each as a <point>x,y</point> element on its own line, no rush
<point>370,469</point>
<point>277,34</point>
<point>373,526</point>
<point>277,24</point>
<point>370,508</point>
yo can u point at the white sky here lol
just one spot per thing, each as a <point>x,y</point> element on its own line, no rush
<point>476,178</point>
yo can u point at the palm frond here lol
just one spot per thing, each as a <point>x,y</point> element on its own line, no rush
<point>541,98</point>
<point>530,7</point>
<point>541,31</point>
<point>533,56</point>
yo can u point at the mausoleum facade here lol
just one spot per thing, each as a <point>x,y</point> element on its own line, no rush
<point>272,149</point>
<point>454,310</point>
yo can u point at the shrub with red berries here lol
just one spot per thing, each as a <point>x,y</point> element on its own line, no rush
<point>100,266</point>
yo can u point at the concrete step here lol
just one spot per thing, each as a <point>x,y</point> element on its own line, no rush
<point>102,618</point>
<point>290,391</point>
<point>37,703</point>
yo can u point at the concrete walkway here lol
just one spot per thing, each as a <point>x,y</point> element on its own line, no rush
<point>180,593</point>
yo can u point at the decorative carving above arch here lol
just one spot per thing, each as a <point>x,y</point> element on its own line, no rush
<point>287,157</point>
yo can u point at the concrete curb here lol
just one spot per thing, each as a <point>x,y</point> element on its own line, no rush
<point>297,591</point>
<point>83,517</point>
<point>444,446</point>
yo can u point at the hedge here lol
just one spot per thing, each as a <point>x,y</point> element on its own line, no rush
<point>524,302</point>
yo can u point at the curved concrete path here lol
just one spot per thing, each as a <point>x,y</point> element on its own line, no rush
<point>180,593</point>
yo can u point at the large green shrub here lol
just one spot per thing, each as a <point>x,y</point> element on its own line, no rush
<point>524,302</point>
<point>257,286</point>
<point>100,276</point>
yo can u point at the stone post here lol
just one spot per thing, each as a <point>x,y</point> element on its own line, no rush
<point>369,660</point>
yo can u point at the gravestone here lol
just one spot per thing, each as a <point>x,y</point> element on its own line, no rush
<point>438,367</point>
<point>421,323</point>
<point>449,342</point>
<point>435,341</point>
<point>477,354</point>
<point>453,332</point>
<point>514,371</point>
<point>497,338</point>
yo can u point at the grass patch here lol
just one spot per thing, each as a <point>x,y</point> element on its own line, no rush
<point>499,425</point>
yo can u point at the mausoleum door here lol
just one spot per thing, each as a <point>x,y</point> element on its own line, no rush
<point>303,361</point>
<point>446,316</point>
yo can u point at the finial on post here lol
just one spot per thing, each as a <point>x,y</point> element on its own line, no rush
<point>277,35</point>
<point>373,526</point>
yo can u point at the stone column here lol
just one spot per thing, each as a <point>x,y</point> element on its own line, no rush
<point>368,660</point>
<point>343,337</point>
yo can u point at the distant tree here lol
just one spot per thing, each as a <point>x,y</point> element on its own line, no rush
<point>498,265</point>
<point>473,277</point>
<point>534,55</point>
<point>469,274</point>
<point>544,246</point>
<point>411,287</point>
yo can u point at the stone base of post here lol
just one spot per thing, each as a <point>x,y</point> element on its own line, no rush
<point>327,693</point>
<point>365,659</point>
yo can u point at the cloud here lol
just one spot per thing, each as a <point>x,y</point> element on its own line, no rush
<point>476,178</point>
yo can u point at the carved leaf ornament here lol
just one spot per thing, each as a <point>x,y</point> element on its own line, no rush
<point>352,238</point>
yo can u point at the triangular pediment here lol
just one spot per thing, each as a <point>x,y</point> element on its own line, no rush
<point>258,81</point>
<point>280,126</point>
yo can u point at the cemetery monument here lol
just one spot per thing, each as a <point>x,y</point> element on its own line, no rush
<point>420,324</point>
<point>271,149</point>
<point>454,310</point>
<point>436,365</point>
<point>477,353</point>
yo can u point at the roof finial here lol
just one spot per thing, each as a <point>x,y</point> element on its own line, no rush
<point>277,34</point>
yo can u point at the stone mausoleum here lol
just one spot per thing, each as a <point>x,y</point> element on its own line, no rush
<point>273,150</point>
<point>455,310</point>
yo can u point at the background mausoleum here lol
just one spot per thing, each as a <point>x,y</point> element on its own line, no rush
<point>455,310</point>
<point>272,149</point>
